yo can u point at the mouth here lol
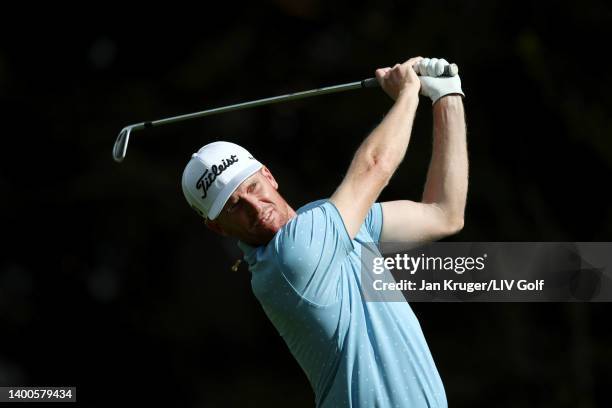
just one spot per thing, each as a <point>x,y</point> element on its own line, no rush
<point>264,218</point>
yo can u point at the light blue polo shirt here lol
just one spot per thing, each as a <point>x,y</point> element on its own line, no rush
<point>354,353</point>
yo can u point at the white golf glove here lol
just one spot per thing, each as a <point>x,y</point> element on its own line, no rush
<point>434,86</point>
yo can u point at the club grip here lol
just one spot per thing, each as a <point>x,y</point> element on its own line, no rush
<point>449,71</point>
<point>370,83</point>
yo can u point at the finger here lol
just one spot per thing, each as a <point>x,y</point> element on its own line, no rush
<point>412,62</point>
<point>395,72</point>
<point>435,68</point>
<point>444,63</point>
<point>431,67</point>
<point>424,66</point>
<point>381,73</point>
<point>439,66</point>
<point>413,71</point>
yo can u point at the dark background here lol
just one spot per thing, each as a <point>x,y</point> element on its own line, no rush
<point>110,282</point>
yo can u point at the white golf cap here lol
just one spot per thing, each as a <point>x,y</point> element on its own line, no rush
<point>214,173</point>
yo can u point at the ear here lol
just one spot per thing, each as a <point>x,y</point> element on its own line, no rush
<point>268,175</point>
<point>214,226</point>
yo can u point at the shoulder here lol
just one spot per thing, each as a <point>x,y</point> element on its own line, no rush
<point>318,216</point>
<point>316,226</point>
<point>311,205</point>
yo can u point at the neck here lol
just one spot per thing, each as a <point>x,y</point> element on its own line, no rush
<point>290,212</point>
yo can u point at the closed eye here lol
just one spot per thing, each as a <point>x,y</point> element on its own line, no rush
<point>233,206</point>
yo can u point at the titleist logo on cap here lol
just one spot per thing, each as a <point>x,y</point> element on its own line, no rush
<point>209,177</point>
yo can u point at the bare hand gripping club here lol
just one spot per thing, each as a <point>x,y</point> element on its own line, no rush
<point>121,144</point>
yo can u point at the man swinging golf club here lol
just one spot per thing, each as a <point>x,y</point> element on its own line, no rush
<point>305,263</point>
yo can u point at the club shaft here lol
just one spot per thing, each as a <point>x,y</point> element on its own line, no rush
<point>259,102</point>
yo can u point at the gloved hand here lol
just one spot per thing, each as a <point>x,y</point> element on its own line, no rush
<point>434,86</point>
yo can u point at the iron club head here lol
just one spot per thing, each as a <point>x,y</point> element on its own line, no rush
<point>120,147</point>
<point>121,144</point>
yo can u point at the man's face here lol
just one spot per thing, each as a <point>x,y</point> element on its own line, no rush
<point>254,212</point>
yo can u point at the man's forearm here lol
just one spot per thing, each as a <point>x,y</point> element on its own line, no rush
<point>447,177</point>
<point>387,143</point>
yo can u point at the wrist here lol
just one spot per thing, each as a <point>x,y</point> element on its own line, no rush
<point>449,101</point>
<point>411,92</point>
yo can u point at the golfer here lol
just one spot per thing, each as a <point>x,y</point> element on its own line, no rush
<point>305,263</point>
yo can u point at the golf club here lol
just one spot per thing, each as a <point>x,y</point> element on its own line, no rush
<point>121,144</point>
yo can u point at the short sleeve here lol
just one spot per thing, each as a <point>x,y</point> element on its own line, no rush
<point>374,221</point>
<point>310,251</point>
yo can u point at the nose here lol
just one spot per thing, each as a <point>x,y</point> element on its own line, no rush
<point>253,205</point>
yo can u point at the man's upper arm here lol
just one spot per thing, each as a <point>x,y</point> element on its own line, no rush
<point>408,221</point>
<point>357,193</point>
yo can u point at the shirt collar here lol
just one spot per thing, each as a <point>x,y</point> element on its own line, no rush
<point>248,251</point>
